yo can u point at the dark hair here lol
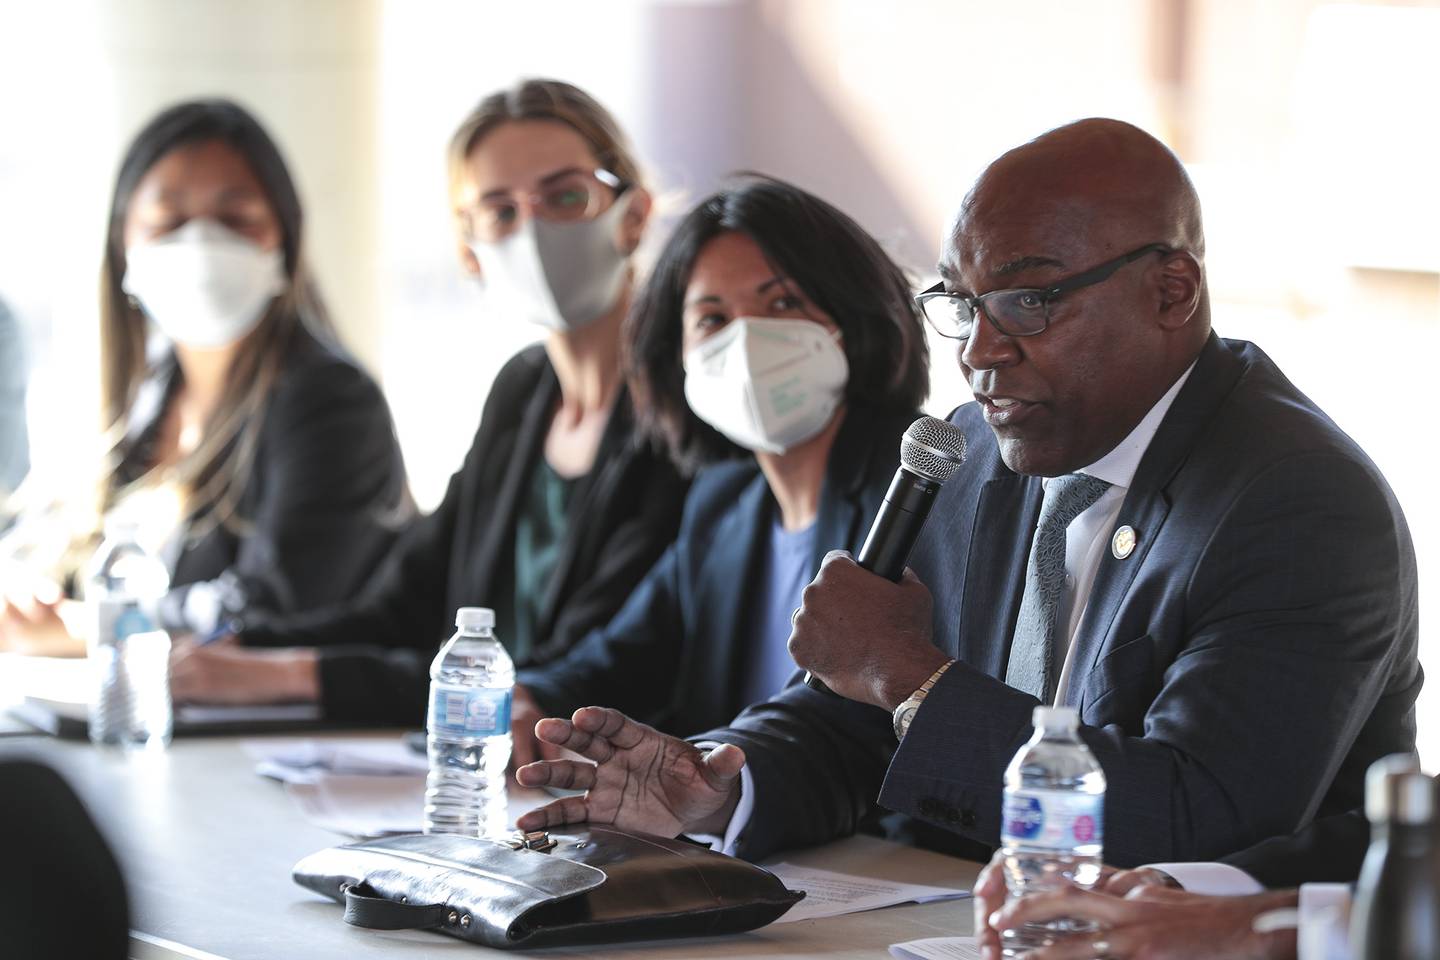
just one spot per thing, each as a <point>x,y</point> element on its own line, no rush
<point>839,267</point>
<point>214,474</point>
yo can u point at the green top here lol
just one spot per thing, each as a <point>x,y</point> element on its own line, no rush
<point>539,533</point>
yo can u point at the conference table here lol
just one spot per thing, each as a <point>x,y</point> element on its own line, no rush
<point>207,847</point>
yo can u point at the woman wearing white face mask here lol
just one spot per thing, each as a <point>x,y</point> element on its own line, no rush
<point>777,337</point>
<point>557,512</point>
<point>258,460</point>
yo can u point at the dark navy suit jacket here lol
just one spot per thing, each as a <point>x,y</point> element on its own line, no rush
<point>1235,674</point>
<point>673,655</point>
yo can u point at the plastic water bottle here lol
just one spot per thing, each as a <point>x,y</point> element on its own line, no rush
<point>471,683</point>
<point>130,699</point>
<point>1053,821</point>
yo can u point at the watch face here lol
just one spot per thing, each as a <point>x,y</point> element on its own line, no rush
<point>903,716</point>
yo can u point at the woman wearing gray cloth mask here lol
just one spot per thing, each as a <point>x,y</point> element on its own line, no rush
<point>557,511</point>
<point>778,343</point>
<point>253,454</point>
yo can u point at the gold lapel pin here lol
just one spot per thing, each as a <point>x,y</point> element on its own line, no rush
<point>1123,543</point>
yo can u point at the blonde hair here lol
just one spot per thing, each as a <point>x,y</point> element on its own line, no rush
<point>555,100</point>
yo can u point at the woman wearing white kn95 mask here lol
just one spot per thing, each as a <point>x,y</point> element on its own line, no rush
<point>777,349</point>
<point>557,511</point>
<point>253,455</point>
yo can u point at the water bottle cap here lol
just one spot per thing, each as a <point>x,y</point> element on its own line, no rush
<point>475,618</point>
<point>121,527</point>
<point>1397,792</point>
<point>1056,718</point>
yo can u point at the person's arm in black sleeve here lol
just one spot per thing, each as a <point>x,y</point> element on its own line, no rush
<point>1330,850</point>
<point>374,652</point>
<point>816,762</point>
<point>630,663</point>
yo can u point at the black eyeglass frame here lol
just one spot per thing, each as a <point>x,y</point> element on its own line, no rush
<point>1047,295</point>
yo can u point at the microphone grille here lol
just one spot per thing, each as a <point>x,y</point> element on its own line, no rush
<point>932,448</point>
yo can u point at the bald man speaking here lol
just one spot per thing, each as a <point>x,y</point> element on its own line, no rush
<point>1153,526</point>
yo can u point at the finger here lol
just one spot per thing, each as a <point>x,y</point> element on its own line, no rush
<point>1069,902</point>
<point>989,893</point>
<point>1111,944</point>
<point>1123,882</point>
<point>614,726</point>
<point>564,774</point>
<point>836,556</point>
<point>571,737</point>
<point>555,814</point>
<point>554,730</point>
<point>721,766</point>
<point>522,739</point>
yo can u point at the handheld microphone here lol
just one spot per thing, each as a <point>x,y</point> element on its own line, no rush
<point>930,452</point>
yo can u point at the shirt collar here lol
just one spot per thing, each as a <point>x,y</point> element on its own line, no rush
<point>1119,465</point>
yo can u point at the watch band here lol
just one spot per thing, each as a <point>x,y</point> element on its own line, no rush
<point>906,711</point>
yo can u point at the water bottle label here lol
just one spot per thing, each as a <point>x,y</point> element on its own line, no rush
<point>1053,818</point>
<point>116,620</point>
<point>468,712</point>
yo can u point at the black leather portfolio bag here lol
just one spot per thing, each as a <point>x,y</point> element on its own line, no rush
<point>589,884</point>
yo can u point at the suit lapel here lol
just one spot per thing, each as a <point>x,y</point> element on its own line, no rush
<point>1147,504</point>
<point>736,550</point>
<point>593,492</point>
<point>498,517</point>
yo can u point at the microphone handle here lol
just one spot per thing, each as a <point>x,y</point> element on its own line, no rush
<point>892,536</point>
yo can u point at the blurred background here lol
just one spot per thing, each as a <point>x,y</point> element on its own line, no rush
<point>1310,128</point>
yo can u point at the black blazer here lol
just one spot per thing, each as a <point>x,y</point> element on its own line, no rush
<point>323,505</point>
<point>376,650</point>
<point>1238,672</point>
<point>673,655</point>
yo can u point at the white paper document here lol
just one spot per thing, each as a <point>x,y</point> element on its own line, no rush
<point>304,761</point>
<point>937,948</point>
<point>360,806</point>
<point>831,894</point>
<point>371,806</point>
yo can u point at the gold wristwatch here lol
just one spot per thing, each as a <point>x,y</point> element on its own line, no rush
<point>906,711</point>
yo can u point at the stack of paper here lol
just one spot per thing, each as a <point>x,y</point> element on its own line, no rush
<point>305,761</point>
<point>830,894</point>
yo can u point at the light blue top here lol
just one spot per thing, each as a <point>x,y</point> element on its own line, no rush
<point>787,568</point>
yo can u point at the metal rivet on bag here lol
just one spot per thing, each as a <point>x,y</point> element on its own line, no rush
<point>452,918</point>
<point>404,899</point>
<point>465,922</point>
<point>344,888</point>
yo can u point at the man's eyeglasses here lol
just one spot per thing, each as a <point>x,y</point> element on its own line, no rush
<point>1016,313</point>
<point>570,197</point>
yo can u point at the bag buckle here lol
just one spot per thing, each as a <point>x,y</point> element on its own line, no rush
<point>538,840</point>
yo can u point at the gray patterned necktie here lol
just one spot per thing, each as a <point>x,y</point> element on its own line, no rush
<point>1032,652</point>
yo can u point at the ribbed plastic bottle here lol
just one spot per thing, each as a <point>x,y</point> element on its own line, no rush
<point>471,684</point>
<point>130,699</point>
<point>1054,821</point>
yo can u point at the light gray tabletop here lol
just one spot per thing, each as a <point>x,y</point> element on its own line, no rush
<point>207,847</point>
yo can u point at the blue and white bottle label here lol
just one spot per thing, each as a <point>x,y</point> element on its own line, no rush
<point>1060,819</point>
<point>114,620</point>
<point>469,711</point>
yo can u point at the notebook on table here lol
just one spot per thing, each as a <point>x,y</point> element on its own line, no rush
<point>49,694</point>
